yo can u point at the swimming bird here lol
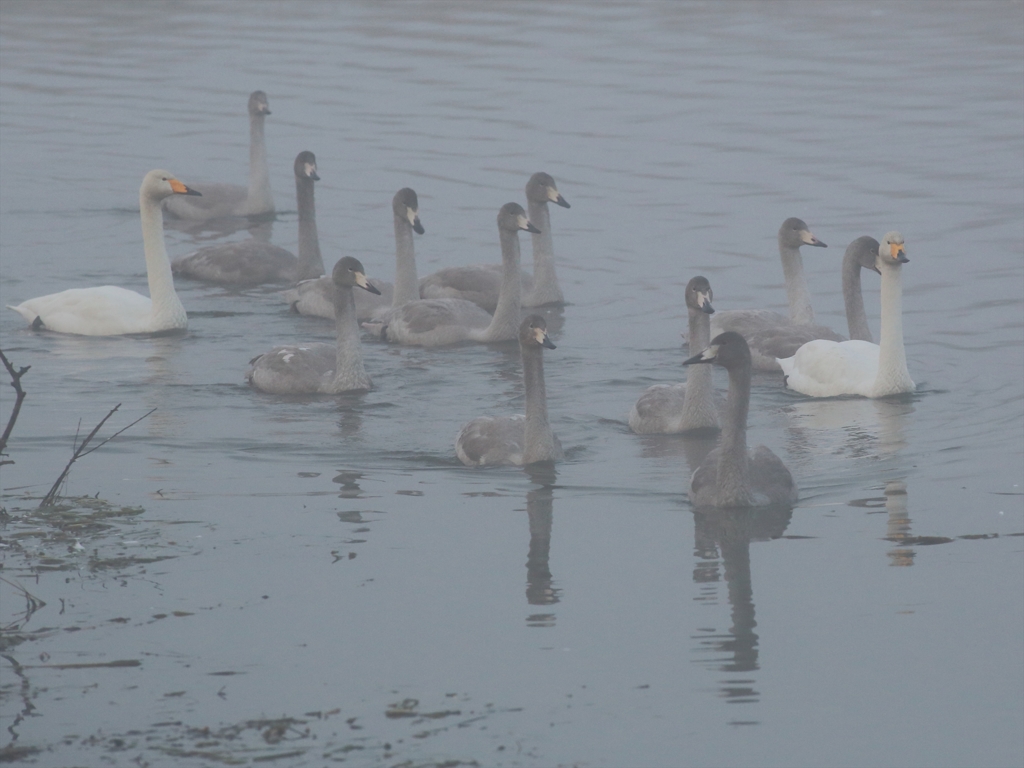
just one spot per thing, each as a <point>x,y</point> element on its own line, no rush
<point>108,310</point>
<point>731,475</point>
<point>315,297</point>
<point>826,369</point>
<point>480,283</point>
<point>435,322</point>
<point>783,340</point>
<point>320,368</point>
<point>670,408</point>
<point>521,439</point>
<point>748,322</point>
<point>221,200</point>
<point>254,262</point>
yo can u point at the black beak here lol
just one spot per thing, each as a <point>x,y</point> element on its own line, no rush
<point>707,308</point>
<point>417,227</point>
<point>818,244</point>
<point>531,228</point>
<point>548,343</point>
<point>696,359</point>
<point>369,287</point>
<point>562,202</point>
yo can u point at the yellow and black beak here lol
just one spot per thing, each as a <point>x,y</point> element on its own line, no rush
<point>180,189</point>
<point>898,252</point>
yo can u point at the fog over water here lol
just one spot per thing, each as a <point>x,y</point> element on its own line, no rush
<point>319,581</point>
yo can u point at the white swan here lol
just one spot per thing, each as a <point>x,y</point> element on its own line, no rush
<point>316,297</point>
<point>783,340</point>
<point>670,408</point>
<point>221,200</point>
<point>254,262</point>
<point>749,322</point>
<point>732,476</point>
<point>481,283</point>
<point>522,439</point>
<point>434,322</point>
<point>108,310</point>
<point>827,369</point>
<point>319,367</point>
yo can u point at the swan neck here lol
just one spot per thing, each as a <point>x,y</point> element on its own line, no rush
<point>539,442</point>
<point>893,374</point>
<point>733,467</point>
<point>406,280</point>
<point>856,318</point>
<point>699,378</point>
<point>311,263</point>
<point>800,310</point>
<point>505,323</point>
<point>260,199</point>
<point>543,243</point>
<point>349,372</point>
<point>158,267</point>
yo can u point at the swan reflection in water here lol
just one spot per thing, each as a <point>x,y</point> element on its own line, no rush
<point>540,589</point>
<point>855,427</point>
<point>897,530</point>
<point>722,547</point>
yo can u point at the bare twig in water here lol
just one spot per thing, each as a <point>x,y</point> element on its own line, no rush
<point>32,604</point>
<point>80,451</point>
<point>16,383</point>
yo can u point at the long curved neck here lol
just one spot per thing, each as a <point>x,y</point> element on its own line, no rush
<point>260,198</point>
<point>544,278</point>
<point>406,281</point>
<point>856,319</point>
<point>158,266</point>
<point>699,386</point>
<point>733,467</point>
<point>539,441</point>
<point>311,263</point>
<point>505,323</point>
<point>349,372</point>
<point>800,310</point>
<point>893,375</point>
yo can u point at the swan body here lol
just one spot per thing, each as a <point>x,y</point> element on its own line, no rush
<point>521,439</point>
<point>315,297</point>
<point>108,310</point>
<point>481,283</point>
<point>828,369</point>
<point>437,322</point>
<point>731,475</point>
<point>672,408</point>
<point>220,200</point>
<point>320,368</point>
<point>255,262</point>
<point>763,329</point>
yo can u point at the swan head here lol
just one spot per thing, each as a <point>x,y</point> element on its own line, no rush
<point>533,332</point>
<point>541,189</point>
<point>349,272</point>
<point>158,184</point>
<point>891,253</point>
<point>258,103</point>
<point>305,166</point>
<point>728,350</point>
<point>699,295</point>
<point>406,206</point>
<point>794,232</point>
<point>512,218</point>
<point>863,251</point>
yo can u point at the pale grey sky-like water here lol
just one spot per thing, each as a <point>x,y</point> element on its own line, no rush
<point>319,581</point>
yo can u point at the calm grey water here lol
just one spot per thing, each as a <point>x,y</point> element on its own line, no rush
<point>318,581</point>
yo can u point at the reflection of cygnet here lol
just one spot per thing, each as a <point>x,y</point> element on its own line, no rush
<point>669,408</point>
<point>732,476</point>
<point>516,439</point>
